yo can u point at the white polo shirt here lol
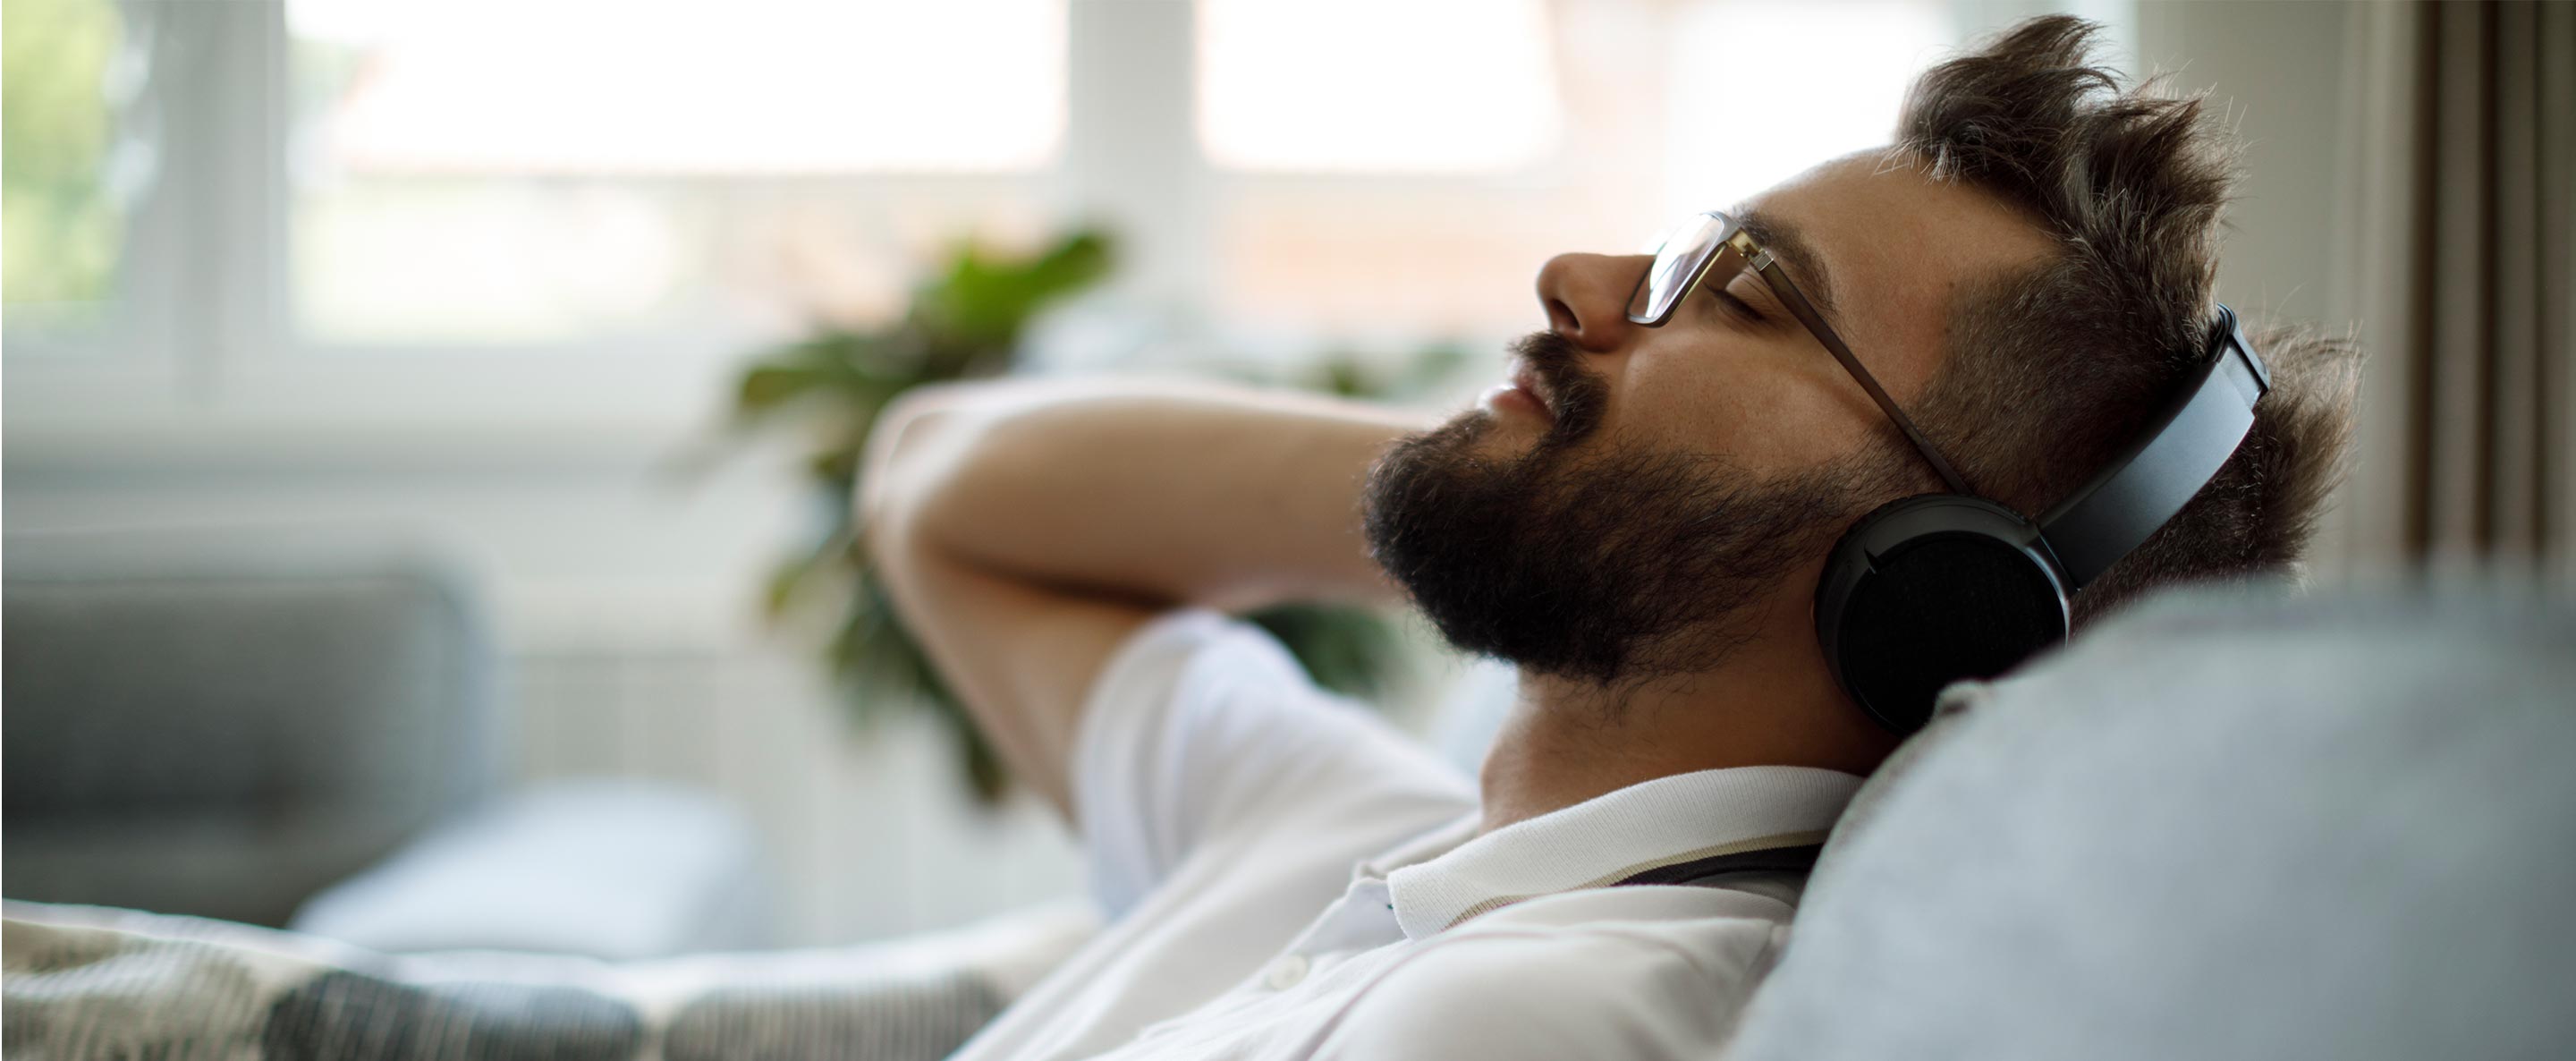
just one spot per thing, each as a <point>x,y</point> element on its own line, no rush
<point>1288,877</point>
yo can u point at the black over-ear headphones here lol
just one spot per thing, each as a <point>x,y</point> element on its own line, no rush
<point>1934,588</point>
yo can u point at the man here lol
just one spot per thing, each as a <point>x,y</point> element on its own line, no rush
<point>1638,520</point>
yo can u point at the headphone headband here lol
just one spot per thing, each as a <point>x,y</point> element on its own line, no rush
<point>2173,458</point>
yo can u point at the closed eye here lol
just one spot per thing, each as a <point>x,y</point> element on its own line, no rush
<point>1740,308</point>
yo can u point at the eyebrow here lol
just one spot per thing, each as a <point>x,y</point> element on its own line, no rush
<point>1788,245</point>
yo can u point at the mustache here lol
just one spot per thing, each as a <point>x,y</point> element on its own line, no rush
<point>1576,395</point>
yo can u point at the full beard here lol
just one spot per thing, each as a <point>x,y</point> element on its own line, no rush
<point>1589,562</point>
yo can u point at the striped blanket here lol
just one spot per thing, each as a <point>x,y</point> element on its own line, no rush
<point>90,983</point>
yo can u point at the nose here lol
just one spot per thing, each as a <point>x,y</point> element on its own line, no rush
<point>1586,297</point>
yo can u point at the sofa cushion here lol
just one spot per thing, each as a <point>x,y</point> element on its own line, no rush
<point>617,869</point>
<point>2229,824</point>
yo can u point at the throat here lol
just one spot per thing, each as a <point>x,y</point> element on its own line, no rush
<point>1567,741</point>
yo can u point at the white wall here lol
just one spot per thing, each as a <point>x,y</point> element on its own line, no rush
<point>2276,70</point>
<point>2285,75</point>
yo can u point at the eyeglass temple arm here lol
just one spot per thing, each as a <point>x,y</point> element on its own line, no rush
<point>1796,300</point>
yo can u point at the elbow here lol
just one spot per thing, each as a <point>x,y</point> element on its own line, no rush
<point>918,468</point>
<point>911,452</point>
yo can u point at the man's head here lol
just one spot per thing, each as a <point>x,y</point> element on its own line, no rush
<point>2027,271</point>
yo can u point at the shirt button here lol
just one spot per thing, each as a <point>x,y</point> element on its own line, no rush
<point>1286,972</point>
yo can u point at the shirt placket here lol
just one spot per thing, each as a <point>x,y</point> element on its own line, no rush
<point>1362,919</point>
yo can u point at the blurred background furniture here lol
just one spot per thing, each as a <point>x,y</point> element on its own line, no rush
<point>232,727</point>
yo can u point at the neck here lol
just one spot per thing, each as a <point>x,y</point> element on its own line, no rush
<point>1770,702</point>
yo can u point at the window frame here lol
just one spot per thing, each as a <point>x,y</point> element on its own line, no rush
<point>247,378</point>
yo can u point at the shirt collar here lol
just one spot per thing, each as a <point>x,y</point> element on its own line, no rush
<point>1446,877</point>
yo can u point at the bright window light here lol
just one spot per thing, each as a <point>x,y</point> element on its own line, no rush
<point>1668,106</point>
<point>67,172</point>
<point>746,86</point>
<point>1763,90</point>
<point>1442,86</point>
<point>482,172</point>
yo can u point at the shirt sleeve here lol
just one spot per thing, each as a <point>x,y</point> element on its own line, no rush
<point>1202,726</point>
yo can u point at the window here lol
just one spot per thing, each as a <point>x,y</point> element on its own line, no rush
<point>71,167</point>
<point>1369,86</point>
<point>347,215</point>
<point>1399,171</point>
<point>490,172</point>
<point>1767,111</point>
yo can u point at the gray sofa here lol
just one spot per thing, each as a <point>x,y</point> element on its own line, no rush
<point>2229,825</point>
<point>307,732</point>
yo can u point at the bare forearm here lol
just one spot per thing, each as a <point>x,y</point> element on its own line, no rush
<point>1162,494</point>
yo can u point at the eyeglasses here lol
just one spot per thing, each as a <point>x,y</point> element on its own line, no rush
<point>1713,243</point>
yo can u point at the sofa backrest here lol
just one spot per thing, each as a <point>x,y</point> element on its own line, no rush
<point>208,724</point>
<point>2226,825</point>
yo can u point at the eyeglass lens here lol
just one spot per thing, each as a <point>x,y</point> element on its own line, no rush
<point>1679,260</point>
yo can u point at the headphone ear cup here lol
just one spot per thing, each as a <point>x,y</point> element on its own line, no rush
<point>1930,590</point>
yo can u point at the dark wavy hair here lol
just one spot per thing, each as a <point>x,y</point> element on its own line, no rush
<point>2050,371</point>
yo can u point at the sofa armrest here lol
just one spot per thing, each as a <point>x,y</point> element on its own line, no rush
<point>607,869</point>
